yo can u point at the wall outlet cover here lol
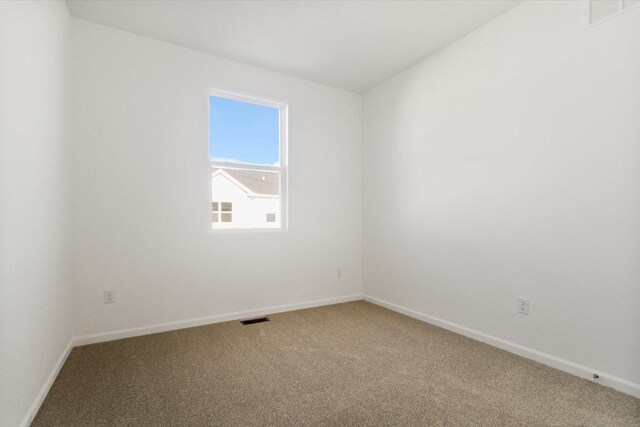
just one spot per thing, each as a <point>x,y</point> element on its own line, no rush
<point>523,306</point>
<point>109,296</point>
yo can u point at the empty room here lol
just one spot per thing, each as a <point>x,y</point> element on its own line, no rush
<point>320,213</point>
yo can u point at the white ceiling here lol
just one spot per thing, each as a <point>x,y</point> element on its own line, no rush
<point>353,45</point>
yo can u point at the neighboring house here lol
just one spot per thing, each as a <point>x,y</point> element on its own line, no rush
<point>245,199</point>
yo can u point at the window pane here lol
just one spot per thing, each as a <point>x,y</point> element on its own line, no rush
<point>214,206</point>
<point>214,217</point>
<point>226,217</point>
<point>271,217</point>
<point>243,132</point>
<point>601,9</point>
<point>225,206</point>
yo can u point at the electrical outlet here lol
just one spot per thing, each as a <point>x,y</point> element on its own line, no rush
<point>109,296</point>
<point>523,306</point>
<point>339,273</point>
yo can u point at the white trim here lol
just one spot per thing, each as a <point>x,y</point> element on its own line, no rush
<point>237,96</point>
<point>284,167</point>
<point>35,406</point>
<point>250,193</point>
<point>253,230</point>
<point>605,379</point>
<point>164,327</point>
<point>232,180</point>
<point>245,166</point>
<point>200,321</point>
<point>622,9</point>
<point>614,382</point>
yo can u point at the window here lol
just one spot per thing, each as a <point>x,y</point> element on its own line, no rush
<point>602,10</point>
<point>221,211</point>
<point>247,153</point>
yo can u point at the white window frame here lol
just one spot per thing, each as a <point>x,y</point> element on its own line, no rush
<point>623,7</point>
<point>281,168</point>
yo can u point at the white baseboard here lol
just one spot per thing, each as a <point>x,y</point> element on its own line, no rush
<point>33,410</point>
<point>163,327</point>
<point>605,379</point>
<point>190,323</point>
<point>619,384</point>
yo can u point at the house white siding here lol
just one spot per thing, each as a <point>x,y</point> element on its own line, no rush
<point>249,210</point>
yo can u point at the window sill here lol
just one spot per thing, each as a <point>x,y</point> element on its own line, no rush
<point>247,230</point>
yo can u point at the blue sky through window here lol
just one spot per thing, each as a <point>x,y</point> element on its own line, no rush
<point>242,131</point>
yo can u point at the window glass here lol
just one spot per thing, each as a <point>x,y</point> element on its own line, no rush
<point>242,132</point>
<point>247,173</point>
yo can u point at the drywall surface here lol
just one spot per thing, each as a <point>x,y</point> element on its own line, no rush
<point>504,166</point>
<point>35,238</point>
<point>142,188</point>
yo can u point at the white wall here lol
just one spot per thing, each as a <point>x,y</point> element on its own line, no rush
<point>142,188</point>
<point>35,239</point>
<point>507,165</point>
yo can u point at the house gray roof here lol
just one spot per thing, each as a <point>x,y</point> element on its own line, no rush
<point>260,182</point>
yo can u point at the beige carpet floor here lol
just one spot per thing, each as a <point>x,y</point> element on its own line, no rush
<point>346,364</point>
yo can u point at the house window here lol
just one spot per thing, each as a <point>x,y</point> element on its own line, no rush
<point>221,211</point>
<point>247,153</point>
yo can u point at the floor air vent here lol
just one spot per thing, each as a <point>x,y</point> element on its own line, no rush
<point>256,320</point>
